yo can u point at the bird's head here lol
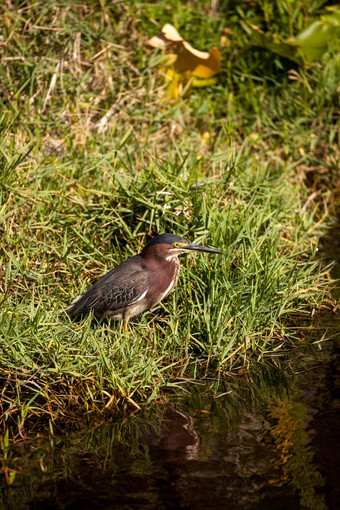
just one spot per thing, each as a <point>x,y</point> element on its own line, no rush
<point>168,246</point>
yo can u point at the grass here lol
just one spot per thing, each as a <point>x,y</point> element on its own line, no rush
<point>94,162</point>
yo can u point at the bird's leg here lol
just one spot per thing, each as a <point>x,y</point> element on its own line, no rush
<point>126,318</point>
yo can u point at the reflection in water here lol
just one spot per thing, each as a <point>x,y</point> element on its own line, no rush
<point>293,458</point>
<point>178,441</point>
<point>261,442</point>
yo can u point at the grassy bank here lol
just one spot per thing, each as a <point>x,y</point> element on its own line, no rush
<point>94,161</point>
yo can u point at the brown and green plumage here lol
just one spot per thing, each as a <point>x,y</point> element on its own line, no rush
<point>140,282</point>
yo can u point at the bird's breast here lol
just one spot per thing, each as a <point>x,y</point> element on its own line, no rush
<point>165,281</point>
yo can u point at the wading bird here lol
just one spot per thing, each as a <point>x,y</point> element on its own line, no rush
<point>139,283</point>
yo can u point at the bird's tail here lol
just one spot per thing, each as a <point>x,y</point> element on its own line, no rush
<point>76,306</point>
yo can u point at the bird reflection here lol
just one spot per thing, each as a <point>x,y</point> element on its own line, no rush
<point>177,441</point>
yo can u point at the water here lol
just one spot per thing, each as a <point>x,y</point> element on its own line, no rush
<point>265,440</point>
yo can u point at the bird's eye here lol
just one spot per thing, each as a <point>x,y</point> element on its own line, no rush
<point>179,245</point>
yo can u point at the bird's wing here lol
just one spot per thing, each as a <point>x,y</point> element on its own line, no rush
<point>120,287</point>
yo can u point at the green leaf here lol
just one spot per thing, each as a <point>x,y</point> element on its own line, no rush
<point>309,45</point>
<point>315,39</point>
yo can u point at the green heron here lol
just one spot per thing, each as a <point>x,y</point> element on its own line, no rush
<point>139,283</point>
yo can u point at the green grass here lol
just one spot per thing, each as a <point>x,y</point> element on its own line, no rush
<point>93,161</point>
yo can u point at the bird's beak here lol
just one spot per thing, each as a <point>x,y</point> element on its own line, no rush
<point>196,247</point>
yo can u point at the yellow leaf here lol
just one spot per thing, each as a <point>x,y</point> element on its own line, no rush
<point>202,64</point>
<point>179,84</point>
<point>158,42</point>
<point>171,33</point>
<point>175,88</point>
<point>204,82</point>
<point>170,59</point>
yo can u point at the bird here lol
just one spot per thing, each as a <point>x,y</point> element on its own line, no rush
<point>139,283</point>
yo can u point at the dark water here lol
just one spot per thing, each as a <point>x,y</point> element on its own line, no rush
<point>265,440</point>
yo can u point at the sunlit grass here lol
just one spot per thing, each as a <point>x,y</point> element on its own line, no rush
<point>93,162</point>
